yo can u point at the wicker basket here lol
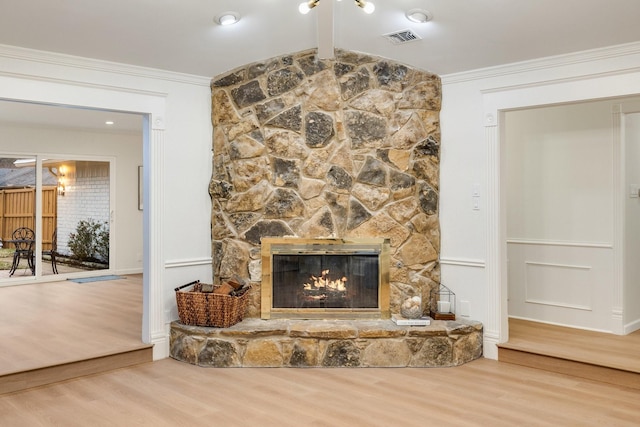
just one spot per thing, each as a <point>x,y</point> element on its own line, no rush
<point>199,308</point>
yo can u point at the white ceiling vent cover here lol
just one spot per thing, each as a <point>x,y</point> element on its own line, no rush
<point>400,37</point>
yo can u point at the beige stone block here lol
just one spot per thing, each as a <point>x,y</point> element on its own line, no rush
<point>380,329</point>
<point>310,188</point>
<point>386,353</point>
<point>371,196</point>
<point>222,110</point>
<point>403,210</point>
<point>424,95</point>
<point>235,258</point>
<point>252,200</point>
<point>382,225</point>
<point>417,250</point>
<point>327,95</point>
<point>264,353</point>
<point>323,329</point>
<point>410,134</point>
<point>343,158</point>
<point>248,173</point>
<point>316,165</point>
<point>400,158</point>
<point>244,127</point>
<point>467,348</point>
<point>319,225</point>
<point>376,101</point>
<point>285,143</point>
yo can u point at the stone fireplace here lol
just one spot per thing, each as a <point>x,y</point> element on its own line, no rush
<point>338,148</point>
<point>308,153</point>
<point>325,278</point>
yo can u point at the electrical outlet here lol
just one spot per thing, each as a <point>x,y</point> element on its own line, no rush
<point>464,308</point>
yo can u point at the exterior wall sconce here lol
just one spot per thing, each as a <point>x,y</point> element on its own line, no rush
<point>61,181</point>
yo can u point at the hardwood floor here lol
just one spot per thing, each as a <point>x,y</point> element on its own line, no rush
<point>172,393</point>
<point>49,331</point>
<point>587,354</point>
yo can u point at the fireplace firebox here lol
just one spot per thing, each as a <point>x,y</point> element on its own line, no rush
<point>325,278</point>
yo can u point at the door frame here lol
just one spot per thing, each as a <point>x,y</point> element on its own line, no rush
<point>496,102</point>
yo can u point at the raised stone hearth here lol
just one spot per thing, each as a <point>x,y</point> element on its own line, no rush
<point>328,343</point>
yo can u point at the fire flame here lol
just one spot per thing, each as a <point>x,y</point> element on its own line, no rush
<point>323,282</point>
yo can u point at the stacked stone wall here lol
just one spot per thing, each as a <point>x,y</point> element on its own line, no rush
<point>347,147</point>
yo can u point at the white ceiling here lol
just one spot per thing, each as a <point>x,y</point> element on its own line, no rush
<point>180,36</point>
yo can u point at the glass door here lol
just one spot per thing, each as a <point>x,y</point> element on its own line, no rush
<point>75,217</point>
<point>74,232</point>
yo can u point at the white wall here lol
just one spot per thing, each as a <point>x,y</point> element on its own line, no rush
<point>560,173</point>
<point>176,156</point>
<point>471,120</point>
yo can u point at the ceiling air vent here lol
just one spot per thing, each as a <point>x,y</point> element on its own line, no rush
<point>400,37</point>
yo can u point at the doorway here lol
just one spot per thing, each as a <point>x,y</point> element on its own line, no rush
<point>57,221</point>
<point>560,214</point>
<point>81,168</point>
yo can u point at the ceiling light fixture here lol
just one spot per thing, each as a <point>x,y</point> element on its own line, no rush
<point>419,16</point>
<point>227,18</point>
<point>367,6</point>
<point>306,6</point>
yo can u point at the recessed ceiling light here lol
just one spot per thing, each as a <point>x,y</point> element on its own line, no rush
<point>227,18</point>
<point>109,122</point>
<point>419,16</point>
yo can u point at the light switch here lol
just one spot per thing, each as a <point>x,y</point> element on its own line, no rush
<point>475,190</point>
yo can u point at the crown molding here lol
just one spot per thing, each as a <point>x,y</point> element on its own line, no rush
<point>543,63</point>
<point>59,59</point>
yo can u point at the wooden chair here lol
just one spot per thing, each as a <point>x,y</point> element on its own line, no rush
<point>53,252</point>
<point>23,239</point>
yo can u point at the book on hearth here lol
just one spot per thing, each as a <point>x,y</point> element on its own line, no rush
<point>403,321</point>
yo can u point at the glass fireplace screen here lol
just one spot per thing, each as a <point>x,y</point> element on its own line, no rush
<point>333,281</point>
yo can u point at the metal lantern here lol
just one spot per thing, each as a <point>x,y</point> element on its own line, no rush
<point>443,303</point>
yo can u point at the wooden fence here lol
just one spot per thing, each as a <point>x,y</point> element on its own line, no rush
<point>18,209</point>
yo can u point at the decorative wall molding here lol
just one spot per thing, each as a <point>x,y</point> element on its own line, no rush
<point>187,262</point>
<point>539,64</point>
<point>20,53</point>
<point>551,302</point>
<point>619,221</point>
<point>551,264</point>
<point>559,243</point>
<point>497,326</point>
<point>463,262</point>
<point>153,323</point>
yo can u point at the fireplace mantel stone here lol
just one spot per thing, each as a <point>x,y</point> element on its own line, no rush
<point>345,147</point>
<point>328,343</point>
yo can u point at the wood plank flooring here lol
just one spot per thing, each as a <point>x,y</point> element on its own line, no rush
<point>37,325</point>
<point>64,325</point>
<point>587,354</point>
<point>172,393</point>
